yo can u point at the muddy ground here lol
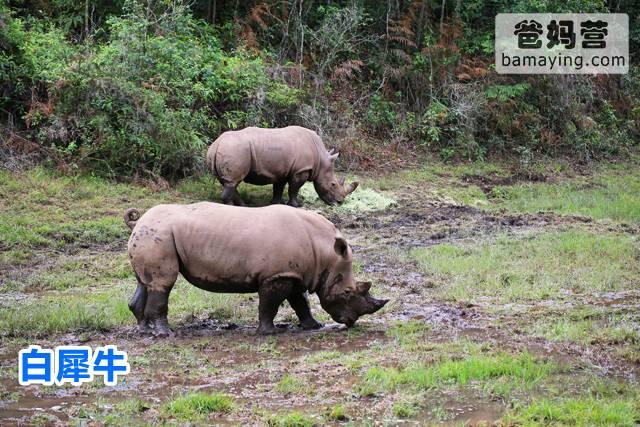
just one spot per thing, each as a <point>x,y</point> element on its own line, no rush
<point>330,365</point>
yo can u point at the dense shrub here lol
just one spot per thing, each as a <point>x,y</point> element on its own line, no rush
<point>151,98</point>
<point>142,86</point>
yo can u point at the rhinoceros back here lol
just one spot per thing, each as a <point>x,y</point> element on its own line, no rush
<point>232,249</point>
<point>264,156</point>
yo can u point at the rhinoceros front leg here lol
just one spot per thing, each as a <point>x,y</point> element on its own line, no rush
<point>295,183</point>
<point>278,189</point>
<point>300,304</point>
<point>272,294</point>
<point>230,195</point>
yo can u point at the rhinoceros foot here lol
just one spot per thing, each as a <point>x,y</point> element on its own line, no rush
<point>267,329</point>
<point>161,329</point>
<point>294,203</point>
<point>310,323</point>
<point>144,328</point>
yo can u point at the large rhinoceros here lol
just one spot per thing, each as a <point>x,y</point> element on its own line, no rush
<point>277,251</point>
<point>292,155</point>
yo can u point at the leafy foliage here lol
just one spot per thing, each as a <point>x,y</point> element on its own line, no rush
<point>141,87</point>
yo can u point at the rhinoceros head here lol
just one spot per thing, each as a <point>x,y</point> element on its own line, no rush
<point>329,188</point>
<point>340,295</point>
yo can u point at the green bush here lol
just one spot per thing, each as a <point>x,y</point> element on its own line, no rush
<point>151,98</point>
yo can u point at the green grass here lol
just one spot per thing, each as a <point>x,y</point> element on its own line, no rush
<point>577,411</point>
<point>290,384</point>
<point>200,188</point>
<point>538,267</point>
<point>77,271</point>
<point>41,208</point>
<point>322,356</point>
<point>609,330</point>
<point>407,334</point>
<point>105,308</point>
<point>612,194</point>
<point>404,409</point>
<point>619,332</point>
<point>199,405</point>
<point>337,413</point>
<point>523,367</point>
<point>292,419</point>
<point>67,313</point>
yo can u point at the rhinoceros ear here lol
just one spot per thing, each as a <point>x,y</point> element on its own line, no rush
<point>332,150</point>
<point>333,157</point>
<point>341,247</point>
<point>363,287</point>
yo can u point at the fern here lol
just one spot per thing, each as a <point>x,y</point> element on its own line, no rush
<point>503,93</point>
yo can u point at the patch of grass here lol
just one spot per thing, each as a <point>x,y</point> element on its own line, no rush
<point>534,268</point>
<point>15,257</point>
<point>409,335</point>
<point>289,384</point>
<point>198,405</point>
<point>440,413</point>
<point>469,195</point>
<point>576,411</point>
<point>612,194</point>
<point>49,210</point>
<point>407,332</point>
<point>522,367</point>
<point>404,409</point>
<point>256,195</point>
<point>187,301</point>
<point>89,309</point>
<point>449,180</point>
<point>66,313</point>
<point>204,187</point>
<point>81,271</point>
<point>122,413</point>
<point>322,356</point>
<point>337,413</point>
<point>292,419</point>
<point>610,330</point>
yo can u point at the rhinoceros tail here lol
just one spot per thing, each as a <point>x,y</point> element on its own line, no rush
<point>131,216</point>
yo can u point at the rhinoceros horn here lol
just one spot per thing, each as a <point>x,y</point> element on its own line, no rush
<point>373,304</point>
<point>350,188</point>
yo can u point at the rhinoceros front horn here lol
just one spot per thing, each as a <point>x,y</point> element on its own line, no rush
<point>375,304</point>
<point>351,188</point>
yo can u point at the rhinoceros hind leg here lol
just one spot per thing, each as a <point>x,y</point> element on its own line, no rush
<point>230,195</point>
<point>156,311</point>
<point>278,189</point>
<point>138,302</point>
<point>300,304</point>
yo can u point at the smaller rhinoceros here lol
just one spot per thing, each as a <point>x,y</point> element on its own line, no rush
<point>277,251</point>
<point>292,155</point>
